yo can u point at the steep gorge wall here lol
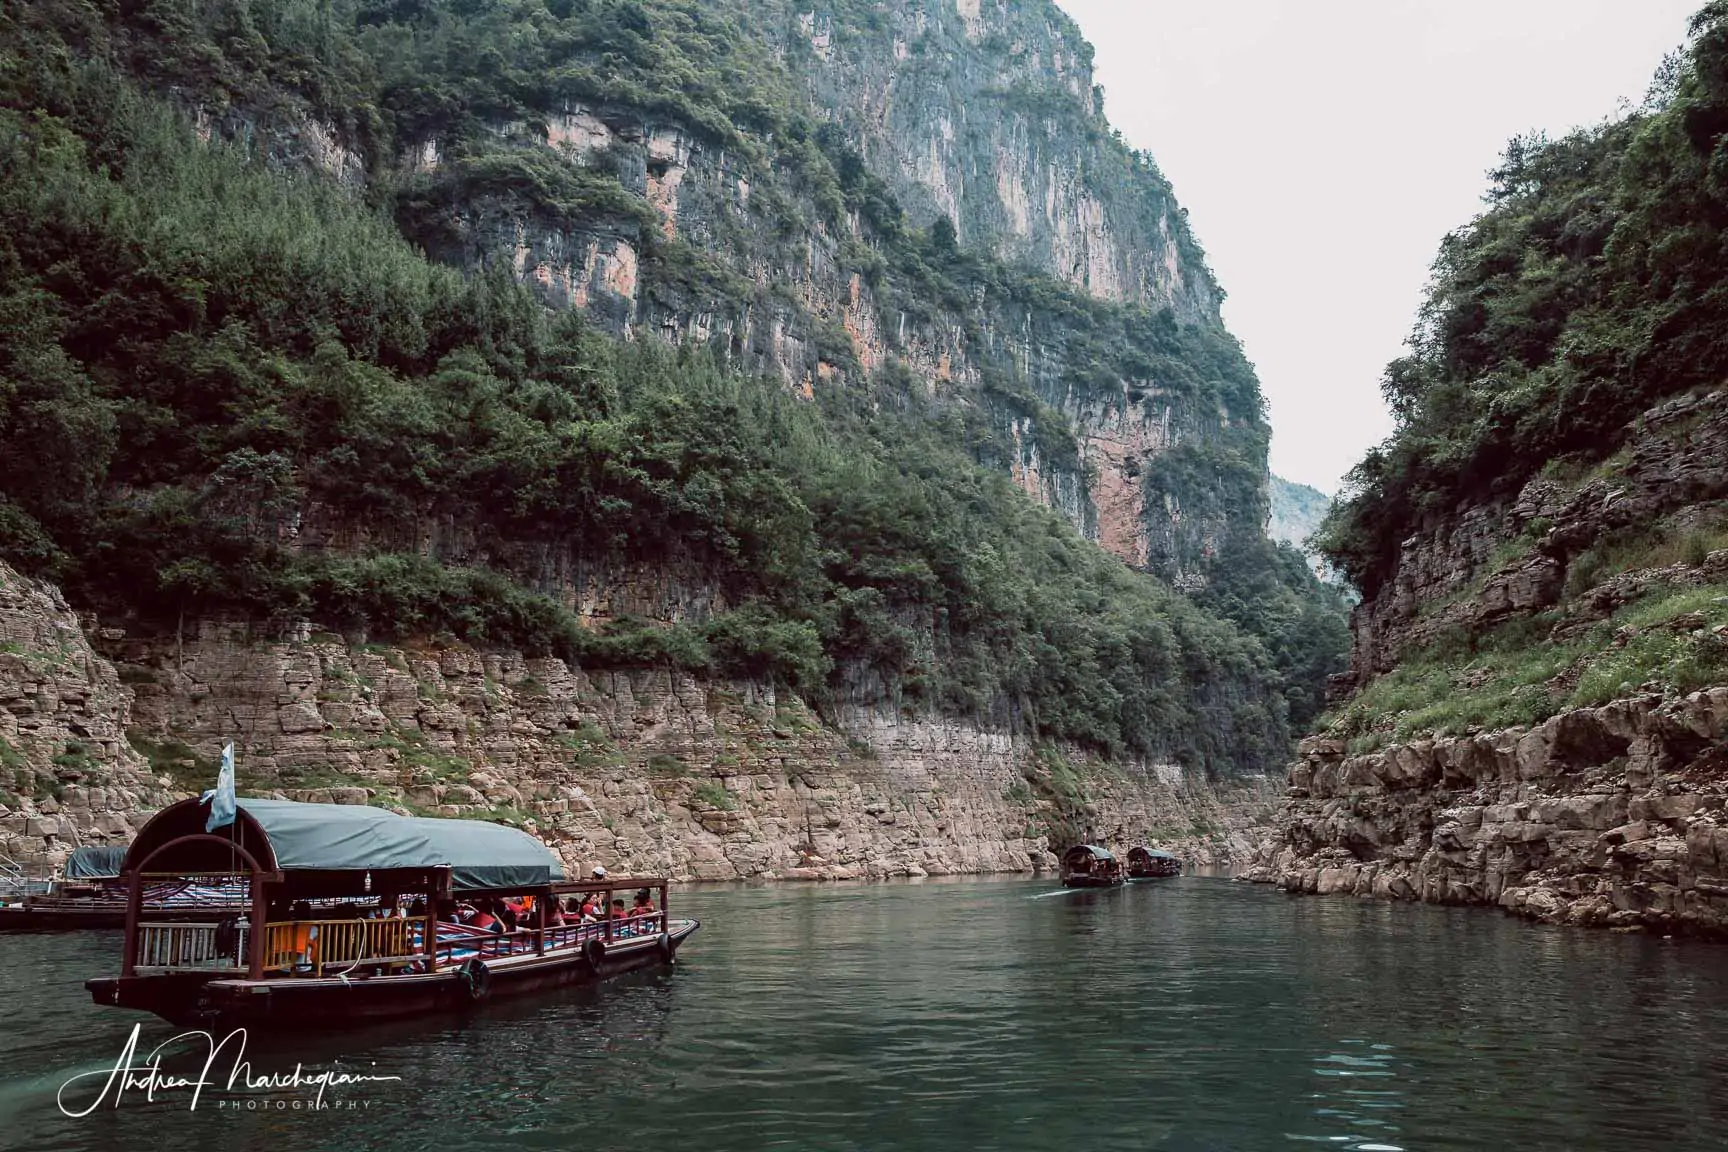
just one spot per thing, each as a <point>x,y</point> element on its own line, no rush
<point>1607,815</point>
<point>985,111</point>
<point>649,771</point>
<point>1613,816</point>
<point>68,775</point>
<point>1489,563</point>
<point>981,112</point>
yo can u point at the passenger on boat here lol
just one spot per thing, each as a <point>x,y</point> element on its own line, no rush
<point>620,919</point>
<point>484,920</point>
<point>305,945</point>
<point>643,910</point>
<point>593,908</point>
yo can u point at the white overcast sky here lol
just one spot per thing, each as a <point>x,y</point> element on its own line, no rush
<point>1323,148</point>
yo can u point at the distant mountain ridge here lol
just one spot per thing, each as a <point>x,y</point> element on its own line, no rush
<point>1297,511</point>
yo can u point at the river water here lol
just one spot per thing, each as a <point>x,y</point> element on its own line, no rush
<point>1186,1014</point>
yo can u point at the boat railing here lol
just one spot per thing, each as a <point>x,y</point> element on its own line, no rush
<point>15,882</point>
<point>329,947</point>
<point>317,947</point>
<point>191,947</point>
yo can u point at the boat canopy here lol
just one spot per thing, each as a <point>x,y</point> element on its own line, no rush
<point>1088,851</point>
<point>288,836</point>
<point>95,862</point>
<point>1149,854</point>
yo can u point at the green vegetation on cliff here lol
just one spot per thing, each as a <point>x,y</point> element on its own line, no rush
<point>231,387</point>
<point>1589,288</point>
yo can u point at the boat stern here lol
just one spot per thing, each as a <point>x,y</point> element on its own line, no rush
<point>177,998</point>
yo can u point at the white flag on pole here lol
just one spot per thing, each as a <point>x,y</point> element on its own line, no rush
<point>221,797</point>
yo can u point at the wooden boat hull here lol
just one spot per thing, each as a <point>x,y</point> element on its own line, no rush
<point>322,1004</point>
<point>1092,881</point>
<point>1154,876</point>
<point>20,918</point>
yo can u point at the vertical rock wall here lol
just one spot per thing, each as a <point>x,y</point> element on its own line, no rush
<point>650,770</point>
<point>67,774</point>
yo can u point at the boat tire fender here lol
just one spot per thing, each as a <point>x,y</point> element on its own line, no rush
<point>667,952</point>
<point>595,951</point>
<point>478,977</point>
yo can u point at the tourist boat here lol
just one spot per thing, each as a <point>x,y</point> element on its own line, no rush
<point>301,958</point>
<point>1089,866</point>
<point>1151,864</point>
<point>89,895</point>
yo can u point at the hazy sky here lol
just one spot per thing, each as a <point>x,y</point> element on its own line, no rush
<point>1323,147</point>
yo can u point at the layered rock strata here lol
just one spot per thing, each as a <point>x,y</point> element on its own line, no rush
<point>649,771</point>
<point>68,776</point>
<point>1497,560</point>
<point>1613,816</point>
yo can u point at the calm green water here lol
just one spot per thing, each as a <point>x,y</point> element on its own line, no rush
<point>1191,1014</point>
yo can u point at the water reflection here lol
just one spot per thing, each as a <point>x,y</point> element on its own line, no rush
<point>1185,1015</point>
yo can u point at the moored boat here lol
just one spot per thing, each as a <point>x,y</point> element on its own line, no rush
<point>1089,866</point>
<point>304,956</point>
<point>1151,864</point>
<point>89,894</point>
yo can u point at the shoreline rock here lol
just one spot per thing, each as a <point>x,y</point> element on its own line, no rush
<point>1615,816</point>
<point>640,771</point>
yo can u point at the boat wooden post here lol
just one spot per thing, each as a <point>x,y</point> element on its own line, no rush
<point>260,937</point>
<point>134,897</point>
<point>436,882</point>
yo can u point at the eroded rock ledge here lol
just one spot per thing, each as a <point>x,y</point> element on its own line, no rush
<point>651,771</point>
<point>1608,816</point>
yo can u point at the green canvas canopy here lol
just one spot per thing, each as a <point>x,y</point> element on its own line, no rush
<point>1091,850</point>
<point>95,863</point>
<point>360,838</point>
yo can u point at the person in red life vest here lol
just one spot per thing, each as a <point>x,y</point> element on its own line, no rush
<point>643,912</point>
<point>483,919</point>
<point>620,919</point>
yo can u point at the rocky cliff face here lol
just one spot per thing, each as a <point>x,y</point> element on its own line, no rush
<point>1494,562</point>
<point>1608,577</point>
<point>68,776</point>
<point>985,112</point>
<point>977,112</point>
<point>1612,816</point>
<point>649,771</point>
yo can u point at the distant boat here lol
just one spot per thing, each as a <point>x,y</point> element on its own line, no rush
<point>90,894</point>
<point>1151,864</point>
<point>1089,866</point>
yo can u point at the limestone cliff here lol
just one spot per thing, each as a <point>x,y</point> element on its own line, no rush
<point>1603,586</point>
<point>650,771</point>
<point>1613,816</point>
<point>1056,311</point>
<point>68,776</point>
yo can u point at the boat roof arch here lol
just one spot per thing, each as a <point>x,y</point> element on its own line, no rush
<point>288,836</point>
<point>1151,853</point>
<point>1091,850</point>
